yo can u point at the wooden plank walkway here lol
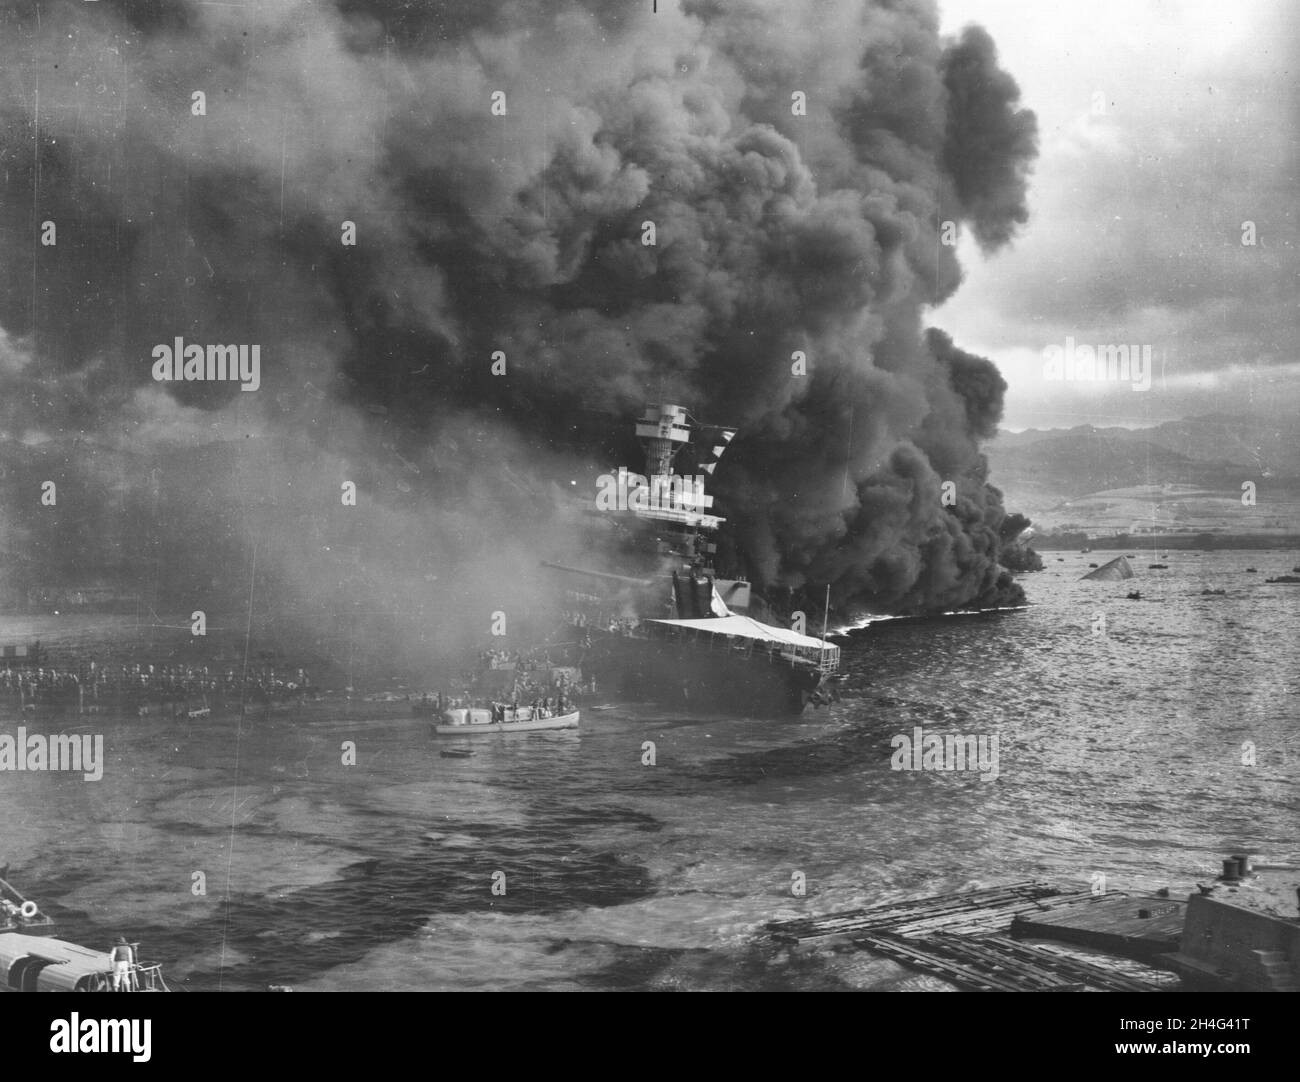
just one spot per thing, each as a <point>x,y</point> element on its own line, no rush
<point>987,910</point>
<point>996,963</point>
<point>971,938</point>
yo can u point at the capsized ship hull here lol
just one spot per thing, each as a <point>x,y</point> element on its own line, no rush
<point>1114,571</point>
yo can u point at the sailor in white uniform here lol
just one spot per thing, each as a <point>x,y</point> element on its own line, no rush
<point>122,959</point>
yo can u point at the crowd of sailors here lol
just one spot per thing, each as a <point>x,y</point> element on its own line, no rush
<point>512,659</point>
<point>615,625</point>
<point>551,681</point>
<point>89,681</point>
<point>536,675</point>
<point>539,686</point>
<point>92,682</point>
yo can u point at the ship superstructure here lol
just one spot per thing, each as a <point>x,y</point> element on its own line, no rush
<point>670,628</point>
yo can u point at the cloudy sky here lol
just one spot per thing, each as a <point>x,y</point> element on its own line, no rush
<point>1164,126</point>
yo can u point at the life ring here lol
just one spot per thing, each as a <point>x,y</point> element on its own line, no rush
<point>28,910</point>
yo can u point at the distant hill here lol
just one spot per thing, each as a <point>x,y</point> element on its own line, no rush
<point>1178,475</point>
<point>1269,448</point>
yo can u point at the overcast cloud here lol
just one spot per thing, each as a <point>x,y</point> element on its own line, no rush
<point>1136,212</point>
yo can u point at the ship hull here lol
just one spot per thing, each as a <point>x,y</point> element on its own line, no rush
<point>723,680</point>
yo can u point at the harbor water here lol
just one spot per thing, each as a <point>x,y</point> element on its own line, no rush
<point>1136,740</point>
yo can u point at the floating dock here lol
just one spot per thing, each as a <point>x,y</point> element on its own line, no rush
<point>972,939</point>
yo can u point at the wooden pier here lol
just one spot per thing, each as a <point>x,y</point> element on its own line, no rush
<point>973,938</point>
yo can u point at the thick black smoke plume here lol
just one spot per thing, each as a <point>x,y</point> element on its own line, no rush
<point>521,233</point>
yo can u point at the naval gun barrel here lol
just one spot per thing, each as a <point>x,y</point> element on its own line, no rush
<point>599,574</point>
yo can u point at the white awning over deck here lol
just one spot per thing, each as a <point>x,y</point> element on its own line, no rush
<point>748,628</point>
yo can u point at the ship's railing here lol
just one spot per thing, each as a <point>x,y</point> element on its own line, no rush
<point>141,977</point>
<point>147,977</point>
<point>826,659</point>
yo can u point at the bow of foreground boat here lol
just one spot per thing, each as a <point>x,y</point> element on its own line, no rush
<point>38,964</point>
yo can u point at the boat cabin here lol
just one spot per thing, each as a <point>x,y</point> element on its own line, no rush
<point>467,716</point>
<point>484,716</point>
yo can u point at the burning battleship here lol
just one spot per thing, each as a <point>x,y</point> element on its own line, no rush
<point>668,627</point>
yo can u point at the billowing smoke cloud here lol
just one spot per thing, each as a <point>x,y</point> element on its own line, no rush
<point>776,231</point>
<point>989,143</point>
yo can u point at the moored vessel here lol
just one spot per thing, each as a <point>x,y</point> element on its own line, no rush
<point>670,628</point>
<point>477,721</point>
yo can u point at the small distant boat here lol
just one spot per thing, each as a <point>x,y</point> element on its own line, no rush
<point>37,964</point>
<point>1158,567</point>
<point>513,719</point>
<point>1252,571</point>
<point>455,753</point>
<point>1213,593</point>
<point>1134,595</point>
<point>1285,578</point>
